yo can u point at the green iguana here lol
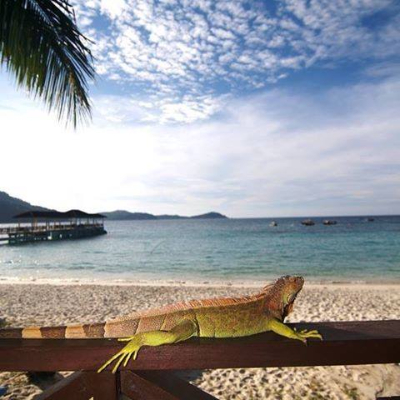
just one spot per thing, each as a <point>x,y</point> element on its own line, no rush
<point>213,318</point>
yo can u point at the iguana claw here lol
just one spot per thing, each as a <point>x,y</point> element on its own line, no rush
<point>124,355</point>
<point>304,335</point>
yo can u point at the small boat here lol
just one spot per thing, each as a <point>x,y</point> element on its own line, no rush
<point>308,222</point>
<point>329,222</point>
<point>370,219</point>
<point>273,223</point>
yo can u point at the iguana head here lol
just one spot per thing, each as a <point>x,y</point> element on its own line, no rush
<point>283,294</point>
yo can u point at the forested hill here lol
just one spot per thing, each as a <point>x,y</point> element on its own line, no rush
<point>10,206</point>
<point>123,215</point>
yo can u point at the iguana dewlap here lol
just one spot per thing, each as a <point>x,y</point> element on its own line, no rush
<point>215,318</point>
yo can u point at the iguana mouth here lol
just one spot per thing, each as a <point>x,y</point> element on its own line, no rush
<point>289,307</point>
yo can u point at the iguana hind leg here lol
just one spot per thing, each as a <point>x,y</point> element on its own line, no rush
<point>183,331</point>
<point>281,329</point>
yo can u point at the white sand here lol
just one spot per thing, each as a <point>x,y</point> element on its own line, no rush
<point>37,304</point>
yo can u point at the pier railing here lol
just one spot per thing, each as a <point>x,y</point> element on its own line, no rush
<point>151,375</point>
<point>5,230</point>
<point>50,231</point>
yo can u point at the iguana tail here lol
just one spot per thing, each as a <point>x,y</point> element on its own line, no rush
<point>115,328</point>
<point>55,332</point>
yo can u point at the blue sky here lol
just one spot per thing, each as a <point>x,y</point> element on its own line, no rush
<point>250,108</point>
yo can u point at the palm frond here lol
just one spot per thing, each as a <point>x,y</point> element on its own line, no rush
<point>42,47</point>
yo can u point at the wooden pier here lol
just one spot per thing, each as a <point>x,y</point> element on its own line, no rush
<point>39,226</point>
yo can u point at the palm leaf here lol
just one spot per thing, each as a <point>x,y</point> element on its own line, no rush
<point>42,47</point>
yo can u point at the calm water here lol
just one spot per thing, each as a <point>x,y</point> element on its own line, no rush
<point>216,250</point>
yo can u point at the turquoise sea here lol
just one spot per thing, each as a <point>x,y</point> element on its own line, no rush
<point>232,250</point>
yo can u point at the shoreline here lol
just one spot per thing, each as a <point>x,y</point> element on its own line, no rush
<point>309,283</point>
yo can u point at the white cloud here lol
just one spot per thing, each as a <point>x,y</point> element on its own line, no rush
<point>278,153</point>
<point>127,110</point>
<point>113,8</point>
<point>172,48</point>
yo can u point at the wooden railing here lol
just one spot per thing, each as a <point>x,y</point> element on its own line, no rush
<point>49,227</point>
<point>150,376</point>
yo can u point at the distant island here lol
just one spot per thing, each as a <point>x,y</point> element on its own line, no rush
<point>123,215</point>
<point>10,206</point>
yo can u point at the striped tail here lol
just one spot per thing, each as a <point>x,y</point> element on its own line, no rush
<point>55,332</point>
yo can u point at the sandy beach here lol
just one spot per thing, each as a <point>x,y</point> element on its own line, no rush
<point>47,304</point>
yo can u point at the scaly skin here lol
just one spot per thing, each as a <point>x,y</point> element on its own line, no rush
<point>261,313</point>
<point>214,318</point>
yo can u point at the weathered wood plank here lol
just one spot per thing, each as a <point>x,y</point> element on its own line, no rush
<point>136,387</point>
<point>83,386</point>
<point>159,385</point>
<point>66,387</point>
<point>174,385</point>
<point>388,398</point>
<point>345,343</point>
<point>103,387</point>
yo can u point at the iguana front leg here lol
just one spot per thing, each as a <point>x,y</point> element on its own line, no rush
<point>183,331</point>
<point>281,329</point>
